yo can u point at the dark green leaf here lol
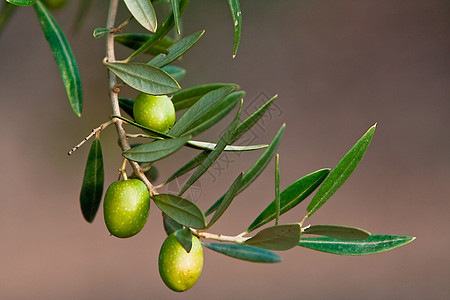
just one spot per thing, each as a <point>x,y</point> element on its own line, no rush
<point>244,252</point>
<point>228,197</point>
<point>176,72</point>
<point>216,114</point>
<point>127,105</point>
<point>248,123</point>
<point>136,40</point>
<point>256,169</point>
<point>144,78</point>
<point>371,245</point>
<point>184,237</point>
<point>280,237</point>
<point>199,109</point>
<point>277,188</point>
<point>170,225</point>
<point>176,50</point>
<point>188,97</point>
<point>63,55</point>
<point>22,2</point>
<point>155,150</point>
<point>152,132</point>
<point>181,210</point>
<point>143,12</point>
<point>100,32</point>
<point>213,155</point>
<point>291,196</point>
<point>236,14</point>
<point>343,233</point>
<point>211,146</point>
<point>92,188</point>
<point>164,29</point>
<point>341,172</point>
<point>176,13</point>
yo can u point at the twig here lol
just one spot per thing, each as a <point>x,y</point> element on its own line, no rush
<point>114,97</point>
<point>238,239</point>
<point>94,131</point>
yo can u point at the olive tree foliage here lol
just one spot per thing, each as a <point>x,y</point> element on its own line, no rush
<point>200,108</point>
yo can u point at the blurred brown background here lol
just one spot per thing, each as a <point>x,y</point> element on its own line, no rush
<point>338,67</point>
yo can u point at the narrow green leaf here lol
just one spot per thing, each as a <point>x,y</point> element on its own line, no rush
<point>176,72</point>
<point>279,237</point>
<point>164,29</point>
<point>176,50</point>
<point>192,164</point>
<point>181,210</point>
<point>188,97</point>
<point>277,188</point>
<point>170,225</point>
<point>184,237</point>
<point>6,12</point>
<point>212,146</point>
<point>256,169</point>
<point>176,14</point>
<point>248,123</point>
<point>100,32</point>
<point>199,109</point>
<point>143,12</point>
<point>127,105</point>
<point>22,2</point>
<point>213,155</point>
<point>216,114</point>
<point>144,78</point>
<point>291,196</point>
<point>63,55</point>
<point>136,40</point>
<point>343,233</point>
<point>155,150</point>
<point>236,14</point>
<point>92,187</point>
<point>244,252</point>
<point>371,245</point>
<point>155,134</point>
<point>227,199</point>
<point>341,172</point>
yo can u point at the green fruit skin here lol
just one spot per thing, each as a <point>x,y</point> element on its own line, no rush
<point>126,207</point>
<point>154,112</point>
<point>54,4</point>
<point>178,269</point>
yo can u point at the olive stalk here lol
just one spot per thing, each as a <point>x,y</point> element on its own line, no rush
<point>114,95</point>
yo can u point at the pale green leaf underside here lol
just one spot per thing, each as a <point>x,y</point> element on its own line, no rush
<point>343,233</point>
<point>143,12</point>
<point>245,252</point>
<point>371,245</point>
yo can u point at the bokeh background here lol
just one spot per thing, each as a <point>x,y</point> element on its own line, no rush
<point>338,67</point>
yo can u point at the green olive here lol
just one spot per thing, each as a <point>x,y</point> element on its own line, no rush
<point>178,269</point>
<point>54,4</point>
<point>126,207</point>
<point>154,112</point>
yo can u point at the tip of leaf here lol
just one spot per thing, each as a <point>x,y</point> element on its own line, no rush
<point>234,55</point>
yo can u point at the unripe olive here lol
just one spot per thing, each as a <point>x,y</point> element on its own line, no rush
<point>154,112</point>
<point>54,4</point>
<point>178,269</point>
<point>126,207</point>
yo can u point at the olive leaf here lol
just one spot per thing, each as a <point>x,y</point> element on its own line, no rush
<point>184,237</point>
<point>144,78</point>
<point>170,225</point>
<point>176,14</point>
<point>22,2</point>
<point>343,233</point>
<point>181,210</point>
<point>245,252</point>
<point>187,97</point>
<point>136,40</point>
<point>65,60</point>
<point>236,14</point>
<point>277,188</point>
<point>279,237</point>
<point>155,150</point>
<point>176,72</point>
<point>92,187</point>
<point>341,172</point>
<point>371,245</point>
<point>143,12</point>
